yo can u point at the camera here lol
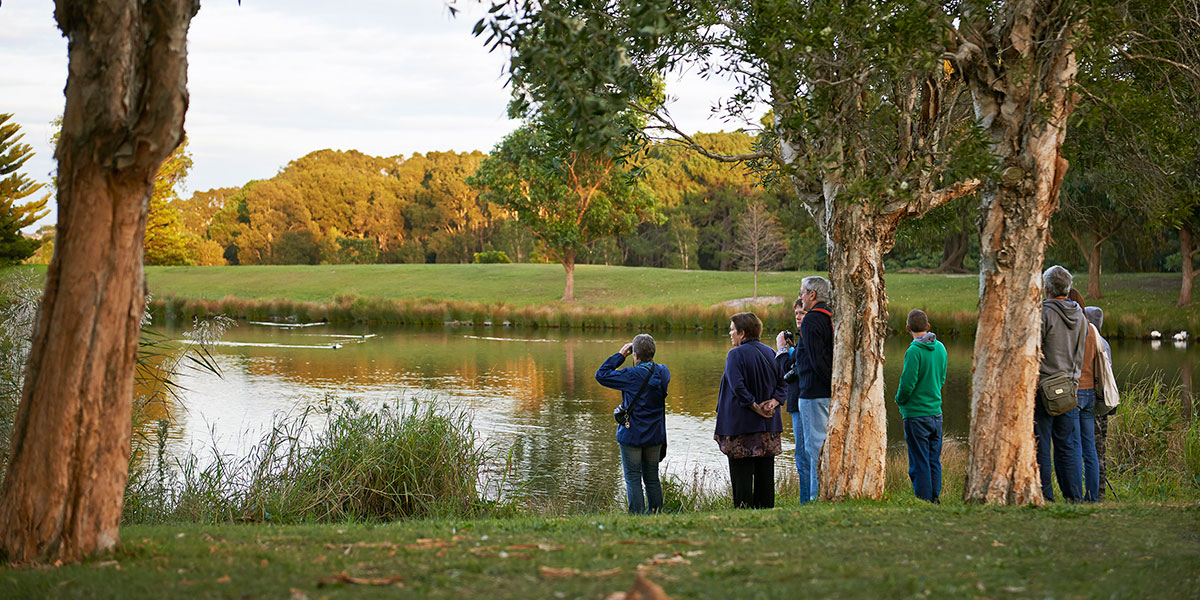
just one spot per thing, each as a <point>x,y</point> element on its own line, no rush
<point>791,376</point>
<point>789,337</point>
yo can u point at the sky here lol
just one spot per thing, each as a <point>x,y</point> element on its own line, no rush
<point>272,80</point>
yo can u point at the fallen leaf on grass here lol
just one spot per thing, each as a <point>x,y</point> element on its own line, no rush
<point>262,563</point>
<point>687,542</point>
<point>344,577</point>
<point>554,573</point>
<point>664,560</point>
<point>109,563</point>
<point>545,547</point>
<point>643,589</point>
<point>224,579</point>
<point>997,544</point>
<point>297,594</point>
<point>481,550</point>
<point>429,544</point>
<point>319,559</point>
<point>361,545</point>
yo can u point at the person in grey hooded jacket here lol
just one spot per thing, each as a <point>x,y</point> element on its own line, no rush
<point>1063,324</point>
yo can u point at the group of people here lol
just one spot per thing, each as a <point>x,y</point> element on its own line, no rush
<point>797,375</point>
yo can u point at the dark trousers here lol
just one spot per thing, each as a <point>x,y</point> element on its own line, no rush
<point>1101,448</point>
<point>1059,452</point>
<point>923,436</point>
<point>753,481</point>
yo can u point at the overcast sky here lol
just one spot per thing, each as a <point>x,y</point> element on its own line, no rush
<point>272,80</point>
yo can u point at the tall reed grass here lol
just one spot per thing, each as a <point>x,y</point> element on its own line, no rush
<point>1154,443</point>
<point>345,463</point>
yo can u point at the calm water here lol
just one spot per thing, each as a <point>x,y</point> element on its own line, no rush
<point>530,390</point>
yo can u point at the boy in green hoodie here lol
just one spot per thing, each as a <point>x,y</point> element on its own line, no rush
<point>920,400</point>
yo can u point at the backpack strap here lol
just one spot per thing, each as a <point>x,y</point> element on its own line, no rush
<point>638,395</point>
<point>822,310</point>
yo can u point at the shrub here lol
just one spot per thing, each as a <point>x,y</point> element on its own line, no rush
<point>492,257</point>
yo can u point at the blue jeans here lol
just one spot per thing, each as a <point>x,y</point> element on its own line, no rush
<point>814,417</point>
<point>803,468</point>
<point>1062,434</point>
<point>1087,438</point>
<point>923,436</point>
<point>640,463</point>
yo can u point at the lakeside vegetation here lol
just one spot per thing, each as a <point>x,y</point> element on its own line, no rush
<point>608,296</point>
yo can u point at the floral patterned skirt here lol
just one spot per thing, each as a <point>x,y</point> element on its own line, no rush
<point>750,445</point>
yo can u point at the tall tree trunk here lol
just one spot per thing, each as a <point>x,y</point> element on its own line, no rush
<point>1186,250</point>
<point>853,457</point>
<point>568,263</point>
<point>954,252</point>
<point>1020,72</point>
<point>1093,290</point>
<point>126,97</point>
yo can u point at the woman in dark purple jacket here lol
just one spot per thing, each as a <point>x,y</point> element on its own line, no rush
<point>748,424</point>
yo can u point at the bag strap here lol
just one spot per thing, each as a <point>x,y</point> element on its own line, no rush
<point>638,395</point>
<point>822,310</point>
<point>1082,340</point>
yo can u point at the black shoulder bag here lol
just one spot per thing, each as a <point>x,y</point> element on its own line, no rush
<point>621,412</point>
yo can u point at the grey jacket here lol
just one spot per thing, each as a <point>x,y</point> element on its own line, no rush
<point>1062,325</point>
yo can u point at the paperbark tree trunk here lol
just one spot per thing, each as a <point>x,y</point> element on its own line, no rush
<point>1020,73</point>
<point>126,96</point>
<point>854,455</point>
<point>568,263</point>
<point>1186,251</point>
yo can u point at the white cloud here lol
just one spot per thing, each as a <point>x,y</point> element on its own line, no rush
<point>271,81</point>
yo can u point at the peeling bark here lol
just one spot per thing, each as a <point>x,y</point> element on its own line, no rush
<point>568,263</point>
<point>126,97</point>
<point>1020,73</point>
<point>854,455</point>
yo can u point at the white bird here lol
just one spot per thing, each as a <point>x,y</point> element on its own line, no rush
<point>336,346</point>
<point>1154,335</point>
<point>1182,336</point>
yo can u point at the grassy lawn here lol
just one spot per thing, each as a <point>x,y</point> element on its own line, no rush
<point>526,284</point>
<point>1144,300</point>
<point>856,549</point>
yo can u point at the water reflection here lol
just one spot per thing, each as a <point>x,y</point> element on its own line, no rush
<point>531,392</point>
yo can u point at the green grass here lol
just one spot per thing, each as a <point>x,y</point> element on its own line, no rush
<point>851,549</point>
<point>1135,303</point>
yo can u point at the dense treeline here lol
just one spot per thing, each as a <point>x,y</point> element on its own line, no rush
<point>339,207</point>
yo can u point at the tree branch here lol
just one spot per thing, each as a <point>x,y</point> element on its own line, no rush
<point>688,141</point>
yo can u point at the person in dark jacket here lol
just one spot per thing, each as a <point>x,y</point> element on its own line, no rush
<point>814,369</point>
<point>1095,316</point>
<point>642,441</point>
<point>785,356</point>
<point>1063,329</point>
<point>748,424</point>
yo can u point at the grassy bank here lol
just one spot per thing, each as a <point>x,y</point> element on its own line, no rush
<point>617,297</point>
<point>856,549</point>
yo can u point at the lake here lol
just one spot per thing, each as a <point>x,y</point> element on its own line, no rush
<point>531,391</point>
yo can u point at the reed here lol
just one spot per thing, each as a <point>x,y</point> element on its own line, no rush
<point>1153,444</point>
<point>343,463</point>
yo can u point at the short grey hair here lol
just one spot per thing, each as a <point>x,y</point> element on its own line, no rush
<point>643,347</point>
<point>1057,281</point>
<point>818,285</point>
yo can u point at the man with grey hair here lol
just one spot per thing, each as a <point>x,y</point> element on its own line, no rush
<point>811,359</point>
<point>1058,440</point>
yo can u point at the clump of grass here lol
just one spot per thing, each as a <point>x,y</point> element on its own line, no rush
<point>1153,445</point>
<point>694,492</point>
<point>361,465</point>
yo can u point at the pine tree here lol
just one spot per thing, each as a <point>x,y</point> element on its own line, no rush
<point>14,186</point>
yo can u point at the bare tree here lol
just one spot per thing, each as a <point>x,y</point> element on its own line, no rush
<point>759,245</point>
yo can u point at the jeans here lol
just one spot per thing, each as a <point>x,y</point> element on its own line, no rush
<point>803,468</point>
<point>640,463</point>
<point>923,436</point>
<point>753,482</point>
<point>814,417</point>
<point>1062,434</point>
<point>1087,439</point>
